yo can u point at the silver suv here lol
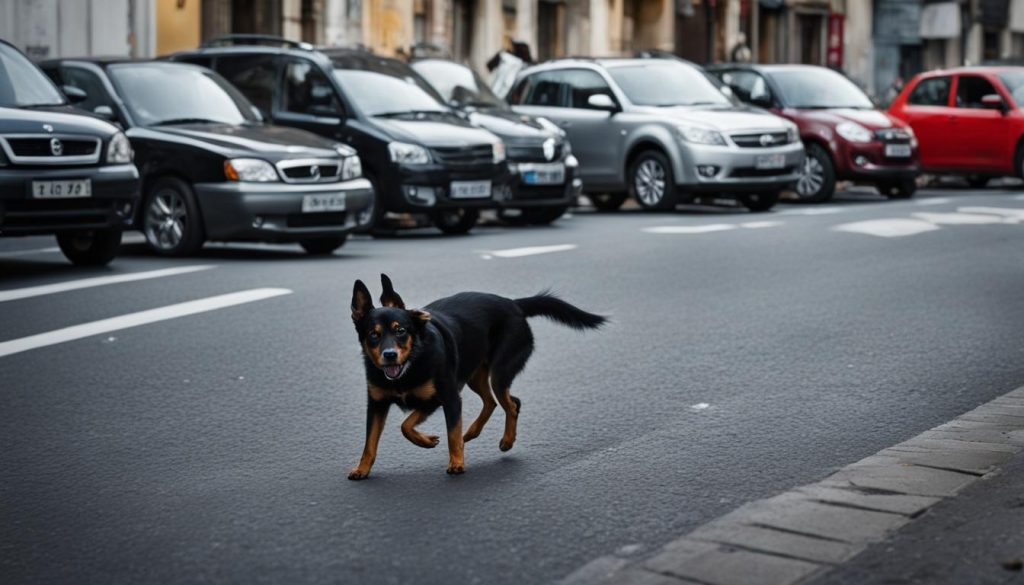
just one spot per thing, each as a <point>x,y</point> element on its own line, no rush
<point>661,131</point>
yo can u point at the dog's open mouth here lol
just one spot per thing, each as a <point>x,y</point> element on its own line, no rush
<point>393,372</point>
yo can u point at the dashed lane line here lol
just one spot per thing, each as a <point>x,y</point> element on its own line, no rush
<point>140,318</point>
<point>708,228</point>
<point>527,251</point>
<point>933,201</point>
<point>48,289</point>
<point>887,228</point>
<point>814,211</point>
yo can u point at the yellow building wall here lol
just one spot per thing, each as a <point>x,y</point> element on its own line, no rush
<point>178,25</point>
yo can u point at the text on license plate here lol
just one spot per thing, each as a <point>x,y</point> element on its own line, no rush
<point>543,174</point>
<point>61,189</point>
<point>321,203</point>
<point>770,161</point>
<point>470,189</point>
<point>897,150</point>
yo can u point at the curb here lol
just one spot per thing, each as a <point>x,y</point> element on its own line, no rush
<point>801,534</point>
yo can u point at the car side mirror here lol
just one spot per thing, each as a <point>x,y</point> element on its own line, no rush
<point>600,101</point>
<point>762,101</point>
<point>105,112</point>
<point>993,101</point>
<point>74,94</point>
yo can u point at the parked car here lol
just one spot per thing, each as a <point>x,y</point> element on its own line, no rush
<point>968,121</point>
<point>661,131</point>
<point>846,136</point>
<point>421,156</point>
<point>61,172</point>
<point>211,169</point>
<point>539,154</point>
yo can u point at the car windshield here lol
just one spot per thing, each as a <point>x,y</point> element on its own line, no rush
<point>386,94</point>
<point>667,83</point>
<point>818,87</point>
<point>170,93</point>
<point>22,84</point>
<point>1014,82</point>
<point>458,83</point>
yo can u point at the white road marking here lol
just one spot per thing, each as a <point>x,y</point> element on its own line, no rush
<point>136,319</point>
<point>760,224</point>
<point>530,251</point>
<point>887,228</point>
<point>1019,197</point>
<point>30,252</point>
<point>689,229</point>
<point>813,211</point>
<point>47,289</point>
<point>933,201</point>
<point>960,218</point>
<point>1013,213</point>
<point>700,406</point>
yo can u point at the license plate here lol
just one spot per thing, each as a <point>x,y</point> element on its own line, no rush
<point>322,203</point>
<point>900,150</point>
<point>61,189</point>
<point>470,189</point>
<point>543,174</point>
<point>770,161</point>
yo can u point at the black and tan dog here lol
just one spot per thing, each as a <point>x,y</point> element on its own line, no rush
<point>421,359</point>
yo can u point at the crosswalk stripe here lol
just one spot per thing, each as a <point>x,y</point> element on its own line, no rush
<point>48,289</point>
<point>531,250</point>
<point>136,319</point>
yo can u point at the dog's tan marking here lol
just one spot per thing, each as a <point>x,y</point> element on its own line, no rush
<point>479,382</point>
<point>456,459</point>
<point>373,432</point>
<point>377,393</point>
<point>511,418</point>
<point>415,437</point>
<point>424,392</point>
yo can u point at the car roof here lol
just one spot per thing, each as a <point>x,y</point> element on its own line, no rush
<point>243,49</point>
<point>991,69</point>
<point>100,61</point>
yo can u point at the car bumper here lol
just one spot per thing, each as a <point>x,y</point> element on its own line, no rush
<point>736,169</point>
<point>115,194</point>
<point>273,211</point>
<point>422,188</point>
<point>867,162</point>
<point>526,195</point>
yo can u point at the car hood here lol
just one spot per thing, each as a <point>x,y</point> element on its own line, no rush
<point>870,119</point>
<point>63,120</point>
<point>722,119</point>
<point>510,126</point>
<point>251,139</point>
<point>434,132</point>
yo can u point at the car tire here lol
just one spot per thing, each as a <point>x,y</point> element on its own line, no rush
<point>171,221</point>
<point>90,248</point>
<point>817,182</point>
<point>322,246</point>
<point>759,202</point>
<point>651,182</point>
<point>978,181</point>
<point>608,201</point>
<point>901,189</point>
<point>543,215</point>
<point>456,221</point>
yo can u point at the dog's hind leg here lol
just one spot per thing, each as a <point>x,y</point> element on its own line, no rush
<point>508,360</point>
<point>415,437</point>
<point>480,383</point>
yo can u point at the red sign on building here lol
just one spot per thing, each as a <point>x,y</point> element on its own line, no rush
<point>834,55</point>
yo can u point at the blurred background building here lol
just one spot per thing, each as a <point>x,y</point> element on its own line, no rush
<point>878,43</point>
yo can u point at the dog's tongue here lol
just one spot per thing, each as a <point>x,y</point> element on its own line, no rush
<point>392,371</point>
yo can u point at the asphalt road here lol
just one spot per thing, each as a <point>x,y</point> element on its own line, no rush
<point>747,354</point>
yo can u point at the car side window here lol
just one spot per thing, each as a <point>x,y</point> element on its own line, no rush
<point>970,89</point>
<point>930,92</point>
<point>544,89</point>
<point>307,91</point>
<point>519,91</point>
<point>254,75</point>
<point>583,83</point>
<point>747,85</point>
<point>91,84</point>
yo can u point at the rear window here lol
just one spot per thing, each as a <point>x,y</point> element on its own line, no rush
<point>930,92</point>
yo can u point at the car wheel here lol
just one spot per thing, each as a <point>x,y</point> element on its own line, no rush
<point>651,182</point>
<point>456,221</point>
<point>901,189</point>
<point>170,221</point>
<point>322,246</point>
<point>978,181</point>
<point>759,202</point>
<point>817,182</point>
<point>543,215</point>
<point>90,248</point>
<point>607,201</point>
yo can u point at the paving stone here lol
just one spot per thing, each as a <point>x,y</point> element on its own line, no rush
<point>1015,422</point>
<point>973,425</point>
<point>902,479</point>
<point>1019,392</point>
<point>896,504</point>
<point>596,571</point>
<point>1000,410</point>
<point>979,462</point>
<point>718,565</point>
<point>640,576</point>
<point>956,445</point>
<point>979,435</point>
<point>775,541</point>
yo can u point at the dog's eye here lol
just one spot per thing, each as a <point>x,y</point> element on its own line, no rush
<point>400,331</point>
<point>374,334</point>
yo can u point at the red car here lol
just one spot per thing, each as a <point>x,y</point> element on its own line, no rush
<point>847,138</point>
<point>967,120</point>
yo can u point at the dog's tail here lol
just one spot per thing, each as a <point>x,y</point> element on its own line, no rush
<point>548,305</point>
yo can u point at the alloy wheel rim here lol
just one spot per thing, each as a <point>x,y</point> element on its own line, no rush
<point>650,182</point>
<point>811,178</point>
<point>166,220</point>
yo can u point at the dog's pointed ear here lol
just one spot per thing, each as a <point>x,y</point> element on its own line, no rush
<point>362,303</point>
<point>389,298</point>
<point>420,316</point>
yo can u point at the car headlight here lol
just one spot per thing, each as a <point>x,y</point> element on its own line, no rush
<point>792,134</point>
<point>249,169</point>
<point>408,154</point>
<point>498,149</point>
<point>119,151</point>
<point>351,168</point>
<point>853,132</point>
<point>698,135</point>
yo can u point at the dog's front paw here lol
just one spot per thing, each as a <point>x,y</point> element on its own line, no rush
<point>506,444</point>
<point>456,468</point>
<point>358,473</point>
<point>432,441</point>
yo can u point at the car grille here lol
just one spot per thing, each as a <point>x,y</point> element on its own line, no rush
<point>538,192</point>
<point>748,172</point>
<point>755,140</point>
<point>467,156</point>
<point>307,220</point>
<point>42,215</point>
<point>310,170</point>
<point>533,152</point>
<point>51,149</point>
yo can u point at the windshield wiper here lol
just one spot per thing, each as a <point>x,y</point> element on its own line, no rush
<point>174,121</point>
<point>408,113</point>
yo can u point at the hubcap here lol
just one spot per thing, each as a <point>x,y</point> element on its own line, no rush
<point>650,182</point>
<point>166,220</point>
<point>812,177</point>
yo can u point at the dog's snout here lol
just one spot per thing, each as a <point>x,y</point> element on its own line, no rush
<point>389,354</point>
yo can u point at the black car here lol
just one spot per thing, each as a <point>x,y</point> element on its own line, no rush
<point>539,154</point>
<point>421,156</point>
<point>211,169</point>
<point>61,172</point>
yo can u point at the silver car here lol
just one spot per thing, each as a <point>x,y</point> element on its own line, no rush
<point>661,131</point>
